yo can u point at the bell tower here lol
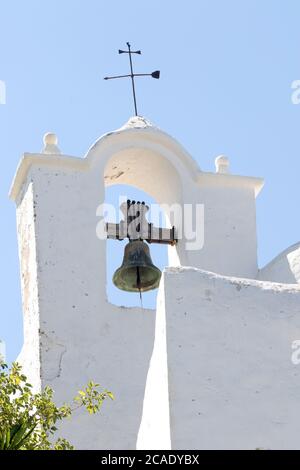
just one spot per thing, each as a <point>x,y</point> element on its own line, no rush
<point>71,332</point>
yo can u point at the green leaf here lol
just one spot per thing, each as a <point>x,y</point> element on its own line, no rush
<point>27,419</point>
<point>20,443</point>
<point>7,439</point>
<point>110,395</point>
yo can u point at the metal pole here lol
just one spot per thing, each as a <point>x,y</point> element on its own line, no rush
<point>132,80</point>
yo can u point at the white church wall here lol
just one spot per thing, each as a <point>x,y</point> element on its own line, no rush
<point>284,268</point>
<point>154,162</point>
<point>229,224</point>
<point>71,333</point>
<point>30,353</point>
<point>154,431</point>
<point>113,349</point>
<point>157,164</point>
<point>231,381</point>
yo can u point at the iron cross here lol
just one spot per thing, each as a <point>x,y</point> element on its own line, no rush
<point>135,226</point>
<point>154,74</point>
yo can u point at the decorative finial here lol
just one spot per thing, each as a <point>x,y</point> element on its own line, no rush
<point>50,143</point>
<point>155,74</point>
<point>222,164</point>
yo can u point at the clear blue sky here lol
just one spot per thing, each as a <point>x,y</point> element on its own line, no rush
<point>226,73</point>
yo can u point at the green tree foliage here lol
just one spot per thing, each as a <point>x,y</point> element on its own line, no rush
<point>28,420</point>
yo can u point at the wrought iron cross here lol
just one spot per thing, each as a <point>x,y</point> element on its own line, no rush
<point>136,227</point>
<point>155,74</point>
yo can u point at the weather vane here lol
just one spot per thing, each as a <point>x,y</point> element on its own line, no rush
<point>154,74</point>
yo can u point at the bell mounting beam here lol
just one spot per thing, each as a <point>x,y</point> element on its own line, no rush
<point>136,227</point>
<point>132,75</point>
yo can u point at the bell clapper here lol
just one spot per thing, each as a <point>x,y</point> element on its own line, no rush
<point>138,283</point>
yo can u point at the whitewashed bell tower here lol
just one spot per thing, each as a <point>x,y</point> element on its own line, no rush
<point>222,337</point>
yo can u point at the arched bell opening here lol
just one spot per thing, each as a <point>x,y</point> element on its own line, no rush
<point>142,171</point>
<point>114,195</point>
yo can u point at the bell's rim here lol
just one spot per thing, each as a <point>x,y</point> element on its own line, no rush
<point>117,280</point>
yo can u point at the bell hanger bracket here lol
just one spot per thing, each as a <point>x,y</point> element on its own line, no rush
<point>135,226</point>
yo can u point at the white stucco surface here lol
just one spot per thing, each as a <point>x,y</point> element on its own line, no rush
<point>71,333</point>
<point>155,431</point>
<point>30,354</point>
<point>231,381</point>
<point>220,373</point>
<point>284,268</point>
<point>142,155</point>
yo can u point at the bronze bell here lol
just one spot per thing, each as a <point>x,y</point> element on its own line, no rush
<point>137,272</point>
